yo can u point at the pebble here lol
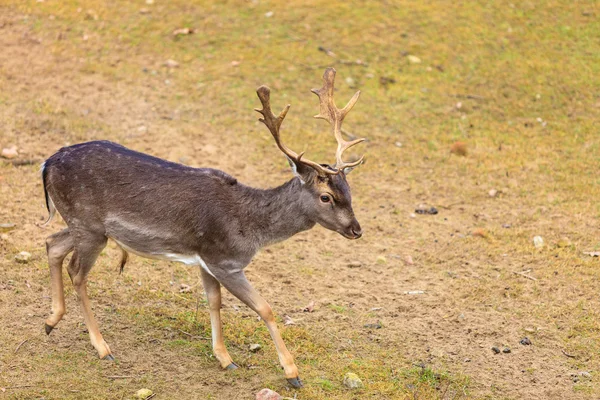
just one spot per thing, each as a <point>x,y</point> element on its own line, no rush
<point>254,347</point>
<point>506,350</point>
<point>10,152</point>
<point>354,264</point>
<point>171,64</point>
<point>352,381</point>
<point>376,325</point>
<point>538,242</point>
<point>525,341</point>
<point>413,59</point>
<point>381,260</point>
<point>408,260</point>
<point>493,192</point>
<point>7,227</point>
<point>143,394</point>
<point>23,257</point>
<point>585,374</point>
<point>268,394</point>
<point>496,350</point>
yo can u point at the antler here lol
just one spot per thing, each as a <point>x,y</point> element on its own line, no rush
<point>329,112</point>
<point>273,123</point>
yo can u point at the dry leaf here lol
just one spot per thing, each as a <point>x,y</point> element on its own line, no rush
<point>288,321</point>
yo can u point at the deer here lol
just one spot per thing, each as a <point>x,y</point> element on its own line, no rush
<point>196,216</point>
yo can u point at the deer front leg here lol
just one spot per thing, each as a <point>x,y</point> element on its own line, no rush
<point>212,287</point>
<point>239,286</point>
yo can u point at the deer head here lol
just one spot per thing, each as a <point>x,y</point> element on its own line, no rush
<point>325,192</point>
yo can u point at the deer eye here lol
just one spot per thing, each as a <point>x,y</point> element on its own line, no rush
<point>325,198</point>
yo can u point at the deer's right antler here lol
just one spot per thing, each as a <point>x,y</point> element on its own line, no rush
<point>274,123</point>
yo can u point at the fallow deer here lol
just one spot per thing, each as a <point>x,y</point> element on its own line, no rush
<point>198,216</point>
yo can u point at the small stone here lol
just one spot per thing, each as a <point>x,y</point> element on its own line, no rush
<point>381,260</point>
<point>530,330</point>
<point>538,242</point>
<point>350,82</point>
<point>525,341</point>
<point>352,381</point>
<point>506,350</point>
<point>585,374</point>
<point>235,63</point>
<point>143,394</point>
<point>413,59</point>
<point>149,2</point>
<point>10,152</point>
<point>467,360</point>
<point>492,192</point>
<point>408,260</point>
<point>7,227</point>
<point>592,253</point>
<point>414,292</point>
<point>398,144</point>
<point>354,264</point>
<point>506,226</point>
<point>171,64</point>
<point>496,350</point>
<point>376,325</point>
<point>23,257</point>
<point>254,347</point>
<point>269,14</point>
<point>268,394</point>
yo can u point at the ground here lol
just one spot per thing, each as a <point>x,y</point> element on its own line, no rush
<point>516,83</point>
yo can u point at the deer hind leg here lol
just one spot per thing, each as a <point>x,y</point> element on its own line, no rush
<point>87,249</point>
<point>58,246</point>
<point>212,287</point>
<point>239,286</point>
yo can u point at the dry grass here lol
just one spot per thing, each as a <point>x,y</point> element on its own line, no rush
<point>516,83</point>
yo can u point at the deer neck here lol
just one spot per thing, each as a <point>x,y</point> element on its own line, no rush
<point>278,213</point>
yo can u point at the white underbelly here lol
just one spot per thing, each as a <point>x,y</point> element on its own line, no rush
<point>187,259</point>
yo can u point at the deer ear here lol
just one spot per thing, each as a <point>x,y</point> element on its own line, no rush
<point>304,172</point>
<point>347,170</point>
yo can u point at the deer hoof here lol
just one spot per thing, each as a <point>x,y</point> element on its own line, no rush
<point>109,357</point>
<point>232,366</point>
<point>48,328</point>
<point>295,382</point>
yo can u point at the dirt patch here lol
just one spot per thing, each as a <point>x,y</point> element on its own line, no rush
<point>440,312</point>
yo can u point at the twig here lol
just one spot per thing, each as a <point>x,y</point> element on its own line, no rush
<point>524,275</point>
<point>468,96</point>
<point>567,354</point>
<point>192,336</point>
<point>18,387</point>
<point>20,344</point>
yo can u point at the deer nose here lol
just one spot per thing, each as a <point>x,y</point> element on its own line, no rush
<point>357,232</point>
